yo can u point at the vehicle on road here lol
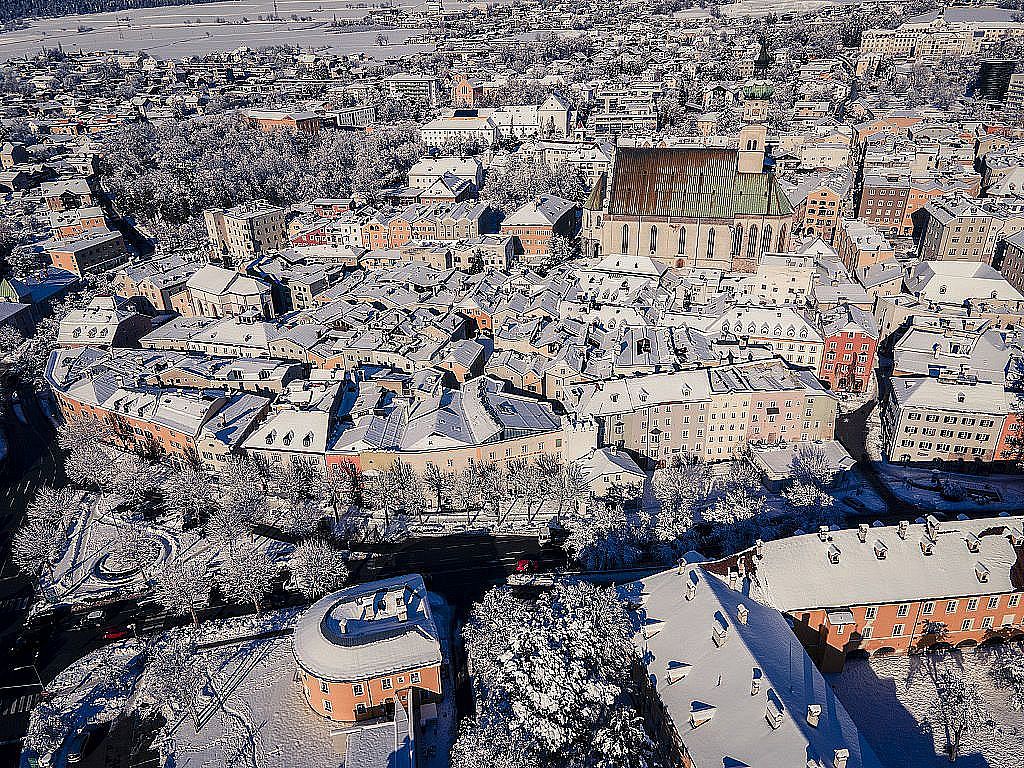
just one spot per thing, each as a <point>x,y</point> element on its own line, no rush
<point>116,633</point>
<point>527,566</point>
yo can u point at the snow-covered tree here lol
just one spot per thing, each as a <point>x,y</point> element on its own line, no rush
<point>230,526</point>
<point>247,576</point>
<point>574,644</point>
<point>188,494</point>
<point>132,478</point>
<point>680,488</point>
<point>318,568</point>
<point>396,490</point>
<point>135,546</point>
<point>339,488</point>
<point>86,462</point>
<point>53,505</point>
<point>1008,671</point>
<point>183,587</point>
<point>605,536</point>
<point>37,547</point>
<point>812,465</point>
<point>812,506</point>
<point>961,706</point>
<point>732,518</point>
<point>173,678</point>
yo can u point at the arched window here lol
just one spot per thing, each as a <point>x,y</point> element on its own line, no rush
<point>766,239</point>
<point>682,240</point>
<point>711,243</point>
<point>625,238</point>
<point>752,242</point>
<point>654,239</point>
<point>737,240</point>
<point>783,247</point>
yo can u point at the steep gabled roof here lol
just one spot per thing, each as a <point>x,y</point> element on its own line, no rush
<point>690,182</point>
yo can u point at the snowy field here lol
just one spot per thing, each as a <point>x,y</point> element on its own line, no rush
<point>173,31</point>
<point>894,702</point>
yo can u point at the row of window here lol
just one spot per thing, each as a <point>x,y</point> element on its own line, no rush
<point>967,421</point>
<point>928,608</point>
<point>386,683</point>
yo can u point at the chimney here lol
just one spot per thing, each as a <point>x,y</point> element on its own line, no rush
<point>742,613</point>
<point>773,713</point>
<point>823,533</point>
<point>734,580</point>
<point>931,526</point>
<point>973,543</point>
<point>691,590</point>
<point>927,546</point>
<point>902,530</point>
<point>719,632</point>
<point>701,713</point>
<point>755,682</point>
<point>981,571</point>
<point>880,549</point>
<point>841,756</point>
<point>862,532</point>
<point>813,714</point>
<point>759,548</point>
<point>833,554</point>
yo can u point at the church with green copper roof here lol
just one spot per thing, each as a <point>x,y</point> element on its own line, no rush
<point>691,206</point>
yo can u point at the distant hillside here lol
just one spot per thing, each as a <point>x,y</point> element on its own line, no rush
<point>12,10</point>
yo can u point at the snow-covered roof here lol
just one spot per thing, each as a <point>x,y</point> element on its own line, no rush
<point>734,679</point>
<point>797,573</point>
<point>368,630</point>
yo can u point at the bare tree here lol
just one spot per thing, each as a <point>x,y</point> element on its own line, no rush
<point>188,494</point>
<point>183,587</point>
<point>247,576</point>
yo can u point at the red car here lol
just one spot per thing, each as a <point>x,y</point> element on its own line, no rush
<point>116,633</point>
<point>527,566</point>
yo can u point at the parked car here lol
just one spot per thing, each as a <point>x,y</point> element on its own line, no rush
<point>527,566</point>
<point>116,633</point>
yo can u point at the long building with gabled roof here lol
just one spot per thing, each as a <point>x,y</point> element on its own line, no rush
<point>705,207</point>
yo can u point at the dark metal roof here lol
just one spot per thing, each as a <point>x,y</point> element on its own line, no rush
<point>690,183</point>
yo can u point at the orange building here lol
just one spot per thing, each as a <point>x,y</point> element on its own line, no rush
<point>361,649</point>
<point>269,121</point>
<point>873,591</point>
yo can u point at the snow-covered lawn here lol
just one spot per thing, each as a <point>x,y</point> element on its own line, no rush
<point>894,702</point>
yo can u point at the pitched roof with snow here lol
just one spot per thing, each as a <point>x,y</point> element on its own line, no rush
<point>927,561</point>
<point>734,680</point>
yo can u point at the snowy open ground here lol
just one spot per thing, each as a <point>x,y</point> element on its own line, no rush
<point>172,31</point>
<point>893,701</point>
